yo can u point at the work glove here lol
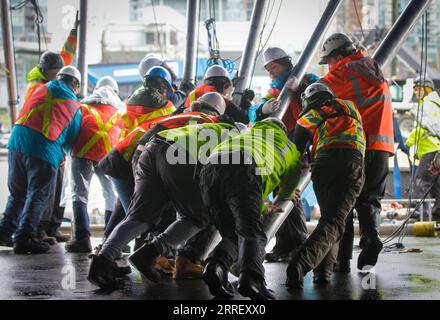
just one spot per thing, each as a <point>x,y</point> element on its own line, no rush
<point>270,107</point>
<point>186,87</point>
<point>270,208</point>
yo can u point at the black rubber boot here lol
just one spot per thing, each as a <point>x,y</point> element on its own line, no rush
<point>31,245</point>
<point>216,278</point>
<point>369,254</point>
<point>295,277</point>
<point>144,260</point>
<point>321,278</point>
<point>79,245</point>
<point>101,272</point>
<point>249,287</point>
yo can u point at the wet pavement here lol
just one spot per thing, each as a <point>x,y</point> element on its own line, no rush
<point>60,275</point>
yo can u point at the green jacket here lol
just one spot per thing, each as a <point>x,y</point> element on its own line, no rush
<point>199,140</point>
<point>275,156</point>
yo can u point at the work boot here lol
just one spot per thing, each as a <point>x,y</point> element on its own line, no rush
<point>101,272</point>
<point>370,253</point>
<point>79,245</point>
<point>249,287</point>
<point>144,260</point>
<point>164,266</point>
<point>186,269</point>
<point>343,266</point>
<point>216,277</point>
<point>60,237</point>
<point>121,268</point>
<point>43,237</point>
<point>6,241</point>
<point>321,278</point>
<point>30,245</point>
<point>277,256</point>
<point>295,277</point>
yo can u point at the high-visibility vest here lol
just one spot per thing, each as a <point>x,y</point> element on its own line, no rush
<point>46,114</point>
<point>292,115</point>
<point>199,92</point>
<point>99,132</point>
<point>136,115</point>
<point>127,146</point>
<point>358,78</point>
<point>335,127</point>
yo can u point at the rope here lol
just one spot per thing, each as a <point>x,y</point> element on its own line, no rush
<point>157,29</point>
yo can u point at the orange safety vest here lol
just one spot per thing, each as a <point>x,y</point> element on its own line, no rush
<point>199,92</point>
<point>127,146</point>
<point>136,115</point>
<point>292,116</point>
<point>350,79</point>
<point>46,114</point>
<point>99,132</point>
<point>334,127</point>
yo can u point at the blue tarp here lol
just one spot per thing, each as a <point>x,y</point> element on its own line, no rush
<point>128,73</point>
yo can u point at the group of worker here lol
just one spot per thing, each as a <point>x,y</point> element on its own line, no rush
<point>179,164</point>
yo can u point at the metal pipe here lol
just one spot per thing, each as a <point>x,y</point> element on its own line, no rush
<point>250,51</point>
<point>307,55</point>
<point>8,48</point>
<point>82,49</point>
<point>400,30</point>
<point>189,71</point>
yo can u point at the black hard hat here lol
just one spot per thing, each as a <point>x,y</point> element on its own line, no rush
<point>51,60</point>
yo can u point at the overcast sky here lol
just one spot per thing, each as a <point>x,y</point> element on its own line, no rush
<point>294,26</point>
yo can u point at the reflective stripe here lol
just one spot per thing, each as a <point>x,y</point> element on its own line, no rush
<point>193,96</point>
<point>45,107</point>
<point>383,139</point>
<point>133,144</point>
<point>102,133</point>
<point>363,102</point>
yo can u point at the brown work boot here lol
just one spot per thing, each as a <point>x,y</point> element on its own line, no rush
<point>186,269</point>
<point>43,237</point>
<point>164,266</point>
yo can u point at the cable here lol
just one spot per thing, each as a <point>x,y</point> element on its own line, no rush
<point>359,19</point>
<point>157,29</point>
<point>401,232</point>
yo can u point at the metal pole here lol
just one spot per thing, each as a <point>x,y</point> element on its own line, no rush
<point>400,30</point>
<point>8,48</point>
<point>189,72</point>
<point>82,49</point>
<point>250,51</point>
<point>307,55</point>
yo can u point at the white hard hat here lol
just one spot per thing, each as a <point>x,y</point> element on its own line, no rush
<point>215,101</point>
<point>216,71</point>
<point>334,42</point>
<point>147,63</point>
<point>70,71</point>
<point>274,53</point>
<point>108,81</point>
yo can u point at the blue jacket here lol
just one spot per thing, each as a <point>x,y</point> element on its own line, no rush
<point>278,83</point>
<point>31,142</point>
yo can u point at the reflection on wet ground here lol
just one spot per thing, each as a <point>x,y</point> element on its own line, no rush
<point>59,275</point>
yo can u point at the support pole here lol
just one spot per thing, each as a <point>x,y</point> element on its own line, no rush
<point>8,48</point>
<point>192,12</point>
<point>82,50</point>
<point>250,51</point>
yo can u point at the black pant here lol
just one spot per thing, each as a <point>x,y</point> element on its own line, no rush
<point>54,214</point>
<point>293,231</point>
<point>424,181</point>
<point>338,177</point>
<point>368,206</point>
<point>233,193</point>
